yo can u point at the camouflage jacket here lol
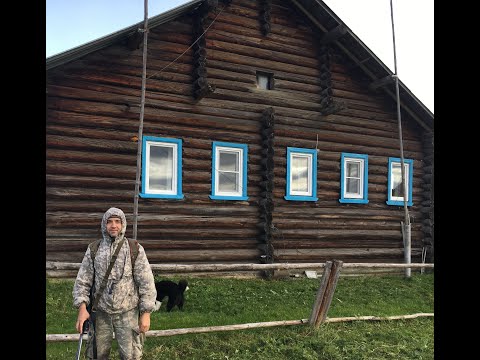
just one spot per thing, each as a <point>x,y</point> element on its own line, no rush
<point>124,290</point>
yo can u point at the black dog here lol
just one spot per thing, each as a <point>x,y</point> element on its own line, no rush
<point>174,291</point>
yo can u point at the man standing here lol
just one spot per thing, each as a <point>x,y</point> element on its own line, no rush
<point>125,304</point>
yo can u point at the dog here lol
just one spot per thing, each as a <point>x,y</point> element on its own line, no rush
<point>174,292</point>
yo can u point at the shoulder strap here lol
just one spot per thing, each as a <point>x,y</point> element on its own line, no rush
<point>134,248</point>
<point>104,282</point>
<point>93,248</point>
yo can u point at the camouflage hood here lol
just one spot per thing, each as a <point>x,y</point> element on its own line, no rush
<point>109,213</point>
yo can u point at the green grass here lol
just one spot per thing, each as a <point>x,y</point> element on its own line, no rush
<point>220,301</point>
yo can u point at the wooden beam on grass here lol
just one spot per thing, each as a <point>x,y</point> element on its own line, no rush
<point>183,331</point>
<point>195,330</point>
<point>378,318</point>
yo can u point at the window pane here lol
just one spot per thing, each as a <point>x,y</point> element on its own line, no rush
<point>228,171</point>
<point>228,161</point>
<point>264,81</point>
<point>353,169</point>
<point>353,186</point>
<point>161,168</point>
<point>397,187</point>
<point>227,181</point>
<point>397,184</point>
<point>353,180</point>
<point>299,169</point>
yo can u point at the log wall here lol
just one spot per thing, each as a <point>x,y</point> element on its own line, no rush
<point>93,107</point>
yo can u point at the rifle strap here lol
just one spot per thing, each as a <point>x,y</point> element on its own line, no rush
<point>134,249</point>
<point>105,278</point>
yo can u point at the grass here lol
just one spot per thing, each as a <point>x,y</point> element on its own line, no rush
<point>220,301</point>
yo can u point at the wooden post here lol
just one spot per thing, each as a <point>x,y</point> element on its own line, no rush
<point>140,126</point>
<point>325,292</point>
<point>320,293</point>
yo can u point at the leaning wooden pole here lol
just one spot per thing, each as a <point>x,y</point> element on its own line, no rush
<point>325,292</point>
<point>140,126</point>
<point>320,293</point>
<point>406,227</point>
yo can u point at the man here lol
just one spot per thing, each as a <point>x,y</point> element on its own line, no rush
<point>125,305</point>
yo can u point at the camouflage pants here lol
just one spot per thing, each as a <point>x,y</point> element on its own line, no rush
<point>125,326</point>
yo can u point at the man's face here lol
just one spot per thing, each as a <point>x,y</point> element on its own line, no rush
<point>114,226</point>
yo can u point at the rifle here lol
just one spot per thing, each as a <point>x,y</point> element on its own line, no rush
<point>84,331</point>
<point>92,349</point>
<point>86,323</point>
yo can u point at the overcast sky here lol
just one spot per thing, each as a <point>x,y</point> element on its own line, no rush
<point>71,23</point>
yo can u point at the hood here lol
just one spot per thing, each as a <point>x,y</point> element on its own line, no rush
<point>110,212</point>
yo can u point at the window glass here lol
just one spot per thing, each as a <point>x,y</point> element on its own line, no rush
<point>161,168</point>
<point>229,171</point>
<point>264,80</point>
<point>354,178</point>
<point>301,174</point>
<point>395,184</point>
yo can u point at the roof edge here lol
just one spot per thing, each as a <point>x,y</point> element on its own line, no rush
<point>87,48</point>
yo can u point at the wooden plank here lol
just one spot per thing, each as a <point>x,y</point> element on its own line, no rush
<point>183,268</point>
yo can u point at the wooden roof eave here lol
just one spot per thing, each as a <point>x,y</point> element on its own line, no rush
<point>312,10</point>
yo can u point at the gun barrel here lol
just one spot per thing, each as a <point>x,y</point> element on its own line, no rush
<point>79,350</point>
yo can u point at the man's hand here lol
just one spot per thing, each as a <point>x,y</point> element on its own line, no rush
<point>83,315</point>
<point>144,322</point>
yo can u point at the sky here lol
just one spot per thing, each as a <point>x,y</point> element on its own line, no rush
<point>72,23</point>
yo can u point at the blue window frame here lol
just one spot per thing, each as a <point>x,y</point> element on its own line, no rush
<point>161,168</point>
<point>229,171</point>
<point>354,178</point>
<point>301,174</point>
<point>395,186</point>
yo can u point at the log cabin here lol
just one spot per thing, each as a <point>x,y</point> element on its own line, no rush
<point>269,133</point>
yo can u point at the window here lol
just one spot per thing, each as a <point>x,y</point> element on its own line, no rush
<point>161,168</point>
<point>301,174</point>
<point>229,171</point>
<point>264,80</point>
<point>395,186</point>
<point>354,178</point>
